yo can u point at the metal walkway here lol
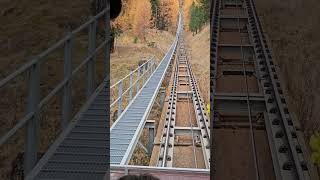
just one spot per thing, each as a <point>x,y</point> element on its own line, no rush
<point>126,130</point>
<point>80,152</point>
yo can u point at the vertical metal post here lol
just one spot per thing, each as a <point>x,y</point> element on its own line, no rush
<point>107,38</point>
<point>31,145</point>
<point>120,98</point>
<point>150,140</point>
<point>153,65</point>
<point>130,86</point>
<point>138,81</point>
<point>91,63</point>
<point>67,98</point>
<point>142,75</point>
<point>149,68</point>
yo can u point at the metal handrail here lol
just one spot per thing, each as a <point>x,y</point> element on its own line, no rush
<point>119,83</point>
<point>35,103</point>
<point>150,68</point>
<point>132,72</point>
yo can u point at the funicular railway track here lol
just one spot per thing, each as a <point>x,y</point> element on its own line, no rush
<point>253,135</point>
<point>185,137</point>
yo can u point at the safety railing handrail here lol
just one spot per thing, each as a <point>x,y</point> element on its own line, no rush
<point>132,72</point>
<point>35,103</point>
<point>146,69</point>
<point>119,83</point>
<point>58,44</point>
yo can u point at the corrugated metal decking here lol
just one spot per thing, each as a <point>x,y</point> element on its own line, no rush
<point>81,150</point>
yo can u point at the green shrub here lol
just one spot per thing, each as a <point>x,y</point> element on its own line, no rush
<point>135,40</point>
<point>315,147</point>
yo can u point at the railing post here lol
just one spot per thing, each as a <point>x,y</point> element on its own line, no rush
<point>31,145</point>
<point>130,86</point>
<point>120,98</point>
<point>142,71</point>
<point>148,69</point>
<point>91,63</point>
<point>107,38</point>
<point>138,81</point>
<point>152,65</point>
<point>67,98</point>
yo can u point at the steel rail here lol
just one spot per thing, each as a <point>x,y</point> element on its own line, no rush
<point>286,152</point>
<point>191,126</point>
<point>202,120</point>
<point>197,107</point>
<point>252,135</point>
<point>192,135</point>
<point>299,163</point>
<point>182,51</point>
<point>171,115</point>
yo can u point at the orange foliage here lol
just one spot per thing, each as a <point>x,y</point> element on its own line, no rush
<point>135,16</point>
<point>142,18</point>
<point>170,10</point>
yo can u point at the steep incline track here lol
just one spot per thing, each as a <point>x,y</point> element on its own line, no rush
<point>185,138</point>
<point>253,135</point>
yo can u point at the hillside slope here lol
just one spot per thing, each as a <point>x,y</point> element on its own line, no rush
<point>199,47</point>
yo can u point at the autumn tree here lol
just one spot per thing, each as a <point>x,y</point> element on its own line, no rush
<point>142,18</point>
<point>164,13</point>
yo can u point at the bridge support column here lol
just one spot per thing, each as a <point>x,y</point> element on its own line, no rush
<point>150,125</point>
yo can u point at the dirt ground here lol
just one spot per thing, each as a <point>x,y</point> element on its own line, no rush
<point>183,109</point>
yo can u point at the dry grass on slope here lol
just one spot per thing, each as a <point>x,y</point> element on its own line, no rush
<point>128,54</point>
<point>199,47</point>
